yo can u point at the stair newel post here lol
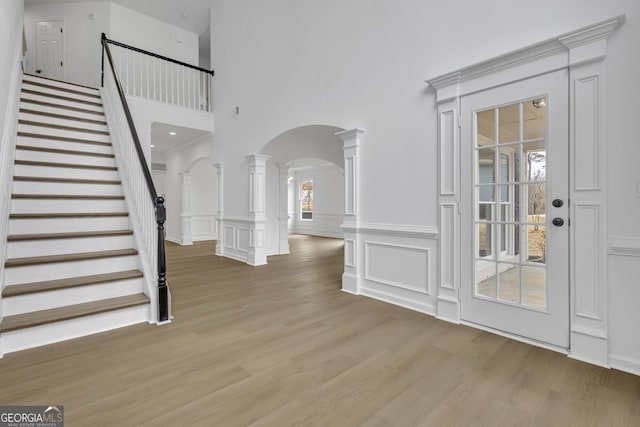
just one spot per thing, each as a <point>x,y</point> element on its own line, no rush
<point>163,290</point>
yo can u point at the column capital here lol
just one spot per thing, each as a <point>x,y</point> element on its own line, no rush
<point>350,137</point>
<point>258,159</point>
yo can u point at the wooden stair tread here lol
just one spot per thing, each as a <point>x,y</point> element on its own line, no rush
<point>61,127</point>
<point>61,151</point>
<point>72,282</point>
<point>57,106</point>
<point>49,215</point>
<point>63,138</point>
<point>38,318</point>
<point>72,235</point>
<point>59,81</point>
<point>66,180</point>
<point>82,256</point>
<point>65,197</point>
<point>63,89</point>
<point>64,165</point>
<point>61,98</point>
<point>63,117</point>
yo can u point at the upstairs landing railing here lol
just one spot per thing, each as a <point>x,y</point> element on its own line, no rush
<point>144,203</point>
<point>158,78</point>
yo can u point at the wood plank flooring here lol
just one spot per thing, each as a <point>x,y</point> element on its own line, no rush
<point>281,345</point>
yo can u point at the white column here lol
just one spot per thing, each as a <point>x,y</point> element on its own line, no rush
<point>186,237</point>
<point>353,250</point>
<point>283,216</point>
<point>219,216</point>
<point>257,209</point>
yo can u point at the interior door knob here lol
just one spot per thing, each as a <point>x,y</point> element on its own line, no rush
<point>558,222</point>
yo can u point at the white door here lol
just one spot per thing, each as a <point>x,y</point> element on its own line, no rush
<point>50,49</point>
<point>515,207</point>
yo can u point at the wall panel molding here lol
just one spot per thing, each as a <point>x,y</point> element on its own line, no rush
<point>400,266</point>
<point>624,246</point>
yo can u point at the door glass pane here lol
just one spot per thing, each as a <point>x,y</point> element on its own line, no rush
<point>509,282</point>
<point>534,286</point>
<point>510,198</point>
<point>535,119</point>
<point>536,241</point>
<point>486,279</point>
<point>509,119</point>
<point>486,166</point>
<point>486,122</point>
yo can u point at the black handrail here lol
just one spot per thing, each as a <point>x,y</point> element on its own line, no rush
<point>155,55</point>
<point>161,216</point>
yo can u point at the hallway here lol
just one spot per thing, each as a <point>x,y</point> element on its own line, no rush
<point>281,345</point>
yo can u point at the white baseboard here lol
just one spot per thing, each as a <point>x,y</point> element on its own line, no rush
<point>625,364</point>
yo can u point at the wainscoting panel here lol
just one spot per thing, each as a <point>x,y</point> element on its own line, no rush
<point>236,239</point>
<point>403,267</point>
<point>397,265</point>
<point>323,225</point>
<point>203,227</point>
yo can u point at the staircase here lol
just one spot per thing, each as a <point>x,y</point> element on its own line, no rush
<point>72,267</point>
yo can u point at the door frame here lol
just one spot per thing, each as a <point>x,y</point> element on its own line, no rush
<point>584,53</point>
<point>548,324</point>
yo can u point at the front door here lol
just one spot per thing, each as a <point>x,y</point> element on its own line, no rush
<point>50,49</point>
<point>515,207</point>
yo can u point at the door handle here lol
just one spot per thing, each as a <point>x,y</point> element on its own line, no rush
<point>38,71</point>
<point>557,203</point>
<point>558,222</point>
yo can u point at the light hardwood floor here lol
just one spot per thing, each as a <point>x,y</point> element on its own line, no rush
<point>281,345</point>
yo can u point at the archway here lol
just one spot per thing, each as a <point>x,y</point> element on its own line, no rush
<point>310,157</point>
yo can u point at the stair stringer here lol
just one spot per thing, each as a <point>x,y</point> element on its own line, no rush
<point>7,157</point>
<point>137,199</point>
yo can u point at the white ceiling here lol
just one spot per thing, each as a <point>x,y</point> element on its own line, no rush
<point>163,141</point>
<point>169,11</point>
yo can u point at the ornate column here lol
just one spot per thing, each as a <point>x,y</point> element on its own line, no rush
<point>219,220</point>
<point>185,210</point>
<point>353,262</point>
<point>257,209</point>
<point>283,217</point>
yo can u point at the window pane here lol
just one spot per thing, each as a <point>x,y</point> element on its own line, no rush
<point>509,118</point>
<point>535,119</point>
<point>486,127</point>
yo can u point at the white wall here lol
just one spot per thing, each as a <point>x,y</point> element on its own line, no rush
<point>204,200</point>
<point>357,65</point>
<point>328,202</point>
<point>82,49</point>
<point>142,31</point>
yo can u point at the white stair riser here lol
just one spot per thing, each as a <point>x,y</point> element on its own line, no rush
<point>74,328</point>
<point>65,145</point>
<point>44,98</point>
<point>58,92</point>
<point>63,122</point>
<point>63,270</point>
<point>27,80</point>
<point>58,172</point>
<point>74,159</point>
<point>23,249</point>
<point>30,187</point>
<point>43,108</point>
<point>66,206</point>
<point>69,296</point>
<point>43,130</point>
<point>67,225</point>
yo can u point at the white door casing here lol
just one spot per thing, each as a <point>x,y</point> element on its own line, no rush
<point>50,49</point>
<point>584,53</point>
